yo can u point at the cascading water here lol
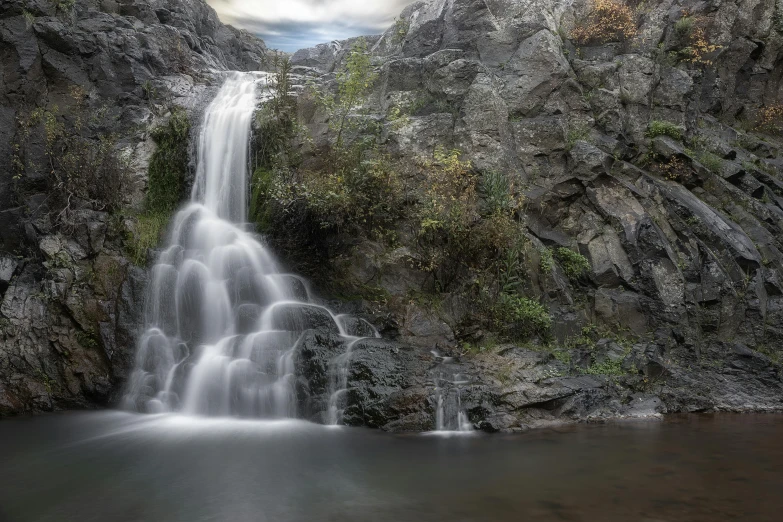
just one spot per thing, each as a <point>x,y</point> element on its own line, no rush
<point>450,416</point>
<point>221,320</point>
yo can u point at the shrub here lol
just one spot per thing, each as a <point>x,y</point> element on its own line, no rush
<point>547,261</point>
<point>685,26</point>
<point>528,316</point>
<point>364,198</point>
<point>770,118</point>
<point>498,192</point>
<point>608,21</point>
<point>166,181</point>
<point>276,122</point>
<point>664,128</point>
<point>169,163</point>
<point>80,170</point>
<point>692,39</point>
<point>400,30</point>
<point>574,265</point>
<point>674,169</point>
<point>713,163</point>
<point>354,81</point>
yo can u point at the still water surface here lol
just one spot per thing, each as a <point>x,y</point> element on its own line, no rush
<point>107,467</point>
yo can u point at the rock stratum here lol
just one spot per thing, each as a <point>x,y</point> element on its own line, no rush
<point>647,153</point>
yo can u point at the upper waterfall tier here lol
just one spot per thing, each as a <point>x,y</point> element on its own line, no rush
<point>221,176</point>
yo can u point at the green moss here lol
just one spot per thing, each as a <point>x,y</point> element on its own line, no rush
<point>664,128</point>
<point>574,265</point>
<point>713,163</point>
<point>146,234</point>
<point>169,163</point>
<point>775,356</point>
<point>577,131</point>
<point>488,345</point>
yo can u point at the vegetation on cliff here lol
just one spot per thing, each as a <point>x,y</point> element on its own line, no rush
<point>166,184</point>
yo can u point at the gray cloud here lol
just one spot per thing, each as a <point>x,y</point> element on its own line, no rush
<point>293,24</point>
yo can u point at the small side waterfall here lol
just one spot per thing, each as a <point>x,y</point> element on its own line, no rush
<point>338,384</point>
<point>222,320</point>
<point>450,416</point>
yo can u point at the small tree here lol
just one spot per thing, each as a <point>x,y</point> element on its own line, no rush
<point>353,83</point>
<point>277,119</point>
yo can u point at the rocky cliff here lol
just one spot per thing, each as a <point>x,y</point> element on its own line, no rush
<point>637,256</point>
<point>83,85</point>
<point>646,149</point>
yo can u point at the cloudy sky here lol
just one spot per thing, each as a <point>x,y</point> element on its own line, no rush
<point>293,24</point>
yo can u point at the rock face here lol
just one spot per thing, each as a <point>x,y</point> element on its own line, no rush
<point>686,263</point>
<point>70,297</point>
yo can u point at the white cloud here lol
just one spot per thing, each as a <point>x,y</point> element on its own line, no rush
<point>293,24</point>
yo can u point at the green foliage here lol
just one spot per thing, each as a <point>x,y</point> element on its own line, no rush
<point>563,356</point>
<point>607,367</point>
<point>29,18</point>
<point>354,194</point>
<point>354,82</point>
<point>80,170</point>
<point>574,265</point>
<point>685,26</point>
<point>774,355</point>
<point>547,261</point>
<point>528,316</point>
<point>400,30</point>
<point>87,339</point>
<point>486,345</point>
<point>146,234</point>
<point>166,172</point>
<point>511,272</point>
<point>65,6</point>
<point>497,190</point>
<point>261,186</point>
<point>664,128</point>
<point>713,163</point>
<point>277,123</point>
<point>576,131</point>
<point>168,165</point>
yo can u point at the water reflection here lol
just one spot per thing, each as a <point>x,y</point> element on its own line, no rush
<point>123,467</point>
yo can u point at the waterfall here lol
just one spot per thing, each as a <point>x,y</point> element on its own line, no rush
<point>222,320</point>
<point>450,416</point>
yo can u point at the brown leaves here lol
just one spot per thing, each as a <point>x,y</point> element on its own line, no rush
<point>608,21</point>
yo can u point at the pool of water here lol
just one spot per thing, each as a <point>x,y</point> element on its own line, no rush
<point>117,467</point>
